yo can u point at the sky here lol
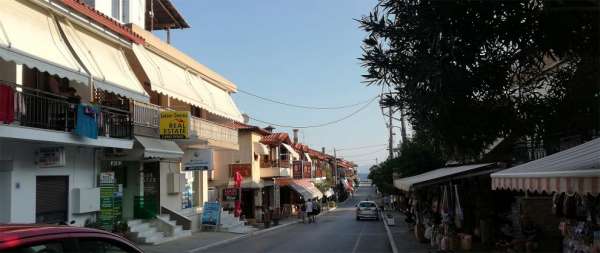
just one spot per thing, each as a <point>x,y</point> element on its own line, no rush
<point>300,52</point>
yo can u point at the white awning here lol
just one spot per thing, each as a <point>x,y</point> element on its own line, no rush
<point>307,157</point>
<point>29,35</point>
<point>261,149</point>
<point>573,170</point>
<point>217,100</point>
<point>105,60</point>
<point>167,77</point>
<point>157,148</point>
<point>407,183</point>
<point>306,189</point>
<point>292,151</point>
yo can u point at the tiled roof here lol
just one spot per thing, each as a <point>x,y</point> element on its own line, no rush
<point>276,139</point>
<point>301,147</point>
<point>241,126</point>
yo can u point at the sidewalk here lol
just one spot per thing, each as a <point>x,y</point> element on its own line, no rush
<point>403,236</point>
<point>205,239</point>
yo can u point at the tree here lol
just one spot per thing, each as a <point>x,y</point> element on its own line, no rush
<point>468,72</point>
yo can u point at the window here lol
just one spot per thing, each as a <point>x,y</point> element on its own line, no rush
<point>116,9</point>
<point>367,204</point>
<point>190,197</point>
<point>96,245</point>
<point>47,247</point>
<point>125,12</point>
<point>91,3</point>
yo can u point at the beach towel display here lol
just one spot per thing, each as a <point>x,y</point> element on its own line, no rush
<point>86,125</point>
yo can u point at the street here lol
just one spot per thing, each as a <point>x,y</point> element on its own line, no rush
<point>337,231</point>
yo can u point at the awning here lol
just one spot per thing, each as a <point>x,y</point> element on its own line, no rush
<point>307,157</point>
<point>167,77</point>
<point>407,183</point>
<point>105,60</point>
<point>158,148</point>
<point>261,149</point>
<point>306,189</point>
<point>292,151</point>
<point>217,100</point>
<point>573,170</point>
<point>29,35</point>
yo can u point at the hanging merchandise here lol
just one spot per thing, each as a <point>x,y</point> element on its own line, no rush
<point>557,204</point>
<point>570,206</point>
<point>445,206</point>
<point>86,125</point>
<point>458,216</point>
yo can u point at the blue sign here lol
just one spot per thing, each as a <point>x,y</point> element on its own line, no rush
<point>211,214</point>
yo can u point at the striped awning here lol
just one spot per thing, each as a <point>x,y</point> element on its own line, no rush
<point>573,170</point>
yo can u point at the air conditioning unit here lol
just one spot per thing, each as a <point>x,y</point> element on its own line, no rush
<point>175,183</point>
<point>86,200</point>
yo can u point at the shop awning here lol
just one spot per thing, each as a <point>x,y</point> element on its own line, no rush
<point>573,170</point>
<point>292,151</point>
<point>158,148</point>
<point>407,183</point>
<point>308,157</point>
<point>217,100</point>
<point>168,78</point>
<point>29,35</point>
<point>261,149</point>
<point>105,60</point>
<point>306,189</point>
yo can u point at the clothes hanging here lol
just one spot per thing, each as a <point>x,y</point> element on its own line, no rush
<point>7,104</point>
<point>86,124</point>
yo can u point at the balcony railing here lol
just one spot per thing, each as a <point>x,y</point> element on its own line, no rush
<point>40,109</point>
<point>275,164</point>
<point>146,115</point>
<point>205,129</point>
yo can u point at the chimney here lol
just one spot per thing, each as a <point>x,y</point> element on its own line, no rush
<point>269,129</point>
<point>246,118</point>
<point>323,150</point>
<point>295,135</point>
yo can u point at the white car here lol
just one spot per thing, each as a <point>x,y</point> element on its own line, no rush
<point>367,209</point>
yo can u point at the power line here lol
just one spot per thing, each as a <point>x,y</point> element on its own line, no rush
<point>305,106</point>
<point>365,154</point>
<point>362,147</point>
<point>318,125</point>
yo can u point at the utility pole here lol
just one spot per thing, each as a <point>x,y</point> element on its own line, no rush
<point>391,137</point>
<point>335,172</point>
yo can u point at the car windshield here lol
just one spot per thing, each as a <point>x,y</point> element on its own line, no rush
<point>367,204</point>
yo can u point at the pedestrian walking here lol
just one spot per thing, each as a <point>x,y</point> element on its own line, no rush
<point>309,210</point>
<point>303,212</point>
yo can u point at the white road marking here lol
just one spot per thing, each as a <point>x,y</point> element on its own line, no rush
<point>358,239</point>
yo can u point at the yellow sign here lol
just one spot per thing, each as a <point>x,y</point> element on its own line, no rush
<point>174,125</point>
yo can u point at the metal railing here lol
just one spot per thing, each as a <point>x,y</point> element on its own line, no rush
<point>40,109</point>
<point>205,129</point>
<point>146,115</point>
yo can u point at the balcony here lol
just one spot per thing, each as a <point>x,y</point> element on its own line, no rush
<point>217,135</point>
<point>43,110</point>
<point>275,172</point>
<point>275,164</point>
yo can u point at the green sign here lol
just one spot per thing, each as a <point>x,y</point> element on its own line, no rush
<point>107,207</point>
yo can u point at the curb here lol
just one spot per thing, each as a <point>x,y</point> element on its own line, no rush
<point>389,234</point>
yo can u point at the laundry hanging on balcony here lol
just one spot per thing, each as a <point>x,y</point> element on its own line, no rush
<point>86,125</point>
<point>7,105</point>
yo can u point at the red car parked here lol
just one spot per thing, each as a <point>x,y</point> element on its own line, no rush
<point>61,239</point>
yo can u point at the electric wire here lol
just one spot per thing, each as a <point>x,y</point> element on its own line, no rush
<point>364,154</point>
<point>361,147</point>
<point>305,106</point>
<point>318,125</point>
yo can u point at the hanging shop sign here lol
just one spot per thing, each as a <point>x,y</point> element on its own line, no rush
<point>174,125</point>
<point>50,157</point>
<point>245,169</point>
<point>231,194</point>
<point>200,159</point>
<point>297,169</point>
<point>307,169</point>
<point>211,214</point>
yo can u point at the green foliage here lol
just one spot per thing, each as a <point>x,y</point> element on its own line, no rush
<point>468,72</point>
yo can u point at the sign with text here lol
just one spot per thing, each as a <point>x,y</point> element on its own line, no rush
<point>231,194</point>
<point>199,159</point>
<point>245,169</point>
<point>297,169</point>
<point>211,214</point>
<point>307,169</point>
<point>50,157</point>
<point>174,125</point>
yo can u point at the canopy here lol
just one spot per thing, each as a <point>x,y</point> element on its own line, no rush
<point>218,101</point>
<point>261,149</point>
<point>573,170</point>
<point>306,189</point>
<point>105,61</point>
<point>29,35</point>
<point>168,78</point>
<point>292,151</point>
<point>407,183</point>
<point>157,148</point>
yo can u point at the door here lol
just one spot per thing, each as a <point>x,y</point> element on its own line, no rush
<point>51,199</point>
<point>248,203</point>
<point>152,187</point>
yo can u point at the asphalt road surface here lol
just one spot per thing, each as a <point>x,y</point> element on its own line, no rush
<point>336,231</point>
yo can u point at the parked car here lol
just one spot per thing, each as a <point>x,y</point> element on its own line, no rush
<point>367,209</point>
<point>61,239</point>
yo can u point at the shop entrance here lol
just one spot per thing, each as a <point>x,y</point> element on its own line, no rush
<point>51,199</point>
<point>248,203</point>
<point>152,188</point>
